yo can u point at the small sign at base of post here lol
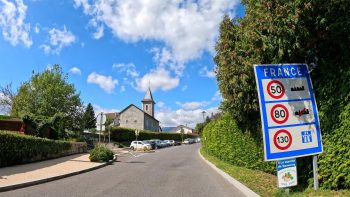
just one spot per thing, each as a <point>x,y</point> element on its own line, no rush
<point>287,173</point>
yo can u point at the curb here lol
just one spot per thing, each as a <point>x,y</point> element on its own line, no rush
<point>244,189</point>
<point>45,180</point>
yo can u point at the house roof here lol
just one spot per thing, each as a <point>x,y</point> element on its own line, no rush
<point>138,109</point>
<point>148,96</point>
<point>180,127</point>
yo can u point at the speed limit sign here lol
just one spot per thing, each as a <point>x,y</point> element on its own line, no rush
<point>288,111</point>
<point>282,139</point>
<point>279,114</point>
<point>275,89</point>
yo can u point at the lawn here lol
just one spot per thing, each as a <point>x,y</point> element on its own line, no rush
<point>265,184</point>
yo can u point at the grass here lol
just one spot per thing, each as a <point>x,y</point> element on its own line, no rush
<point>265,184</point>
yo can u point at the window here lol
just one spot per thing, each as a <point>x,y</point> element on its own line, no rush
<point>135,121</point>
<point>126,121</point>
<point>146,107</point>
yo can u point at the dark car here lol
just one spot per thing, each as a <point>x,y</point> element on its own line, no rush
<point>151,142</point>
<point>177,143</point>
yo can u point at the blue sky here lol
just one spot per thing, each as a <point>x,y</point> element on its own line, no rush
<point>112,50</point>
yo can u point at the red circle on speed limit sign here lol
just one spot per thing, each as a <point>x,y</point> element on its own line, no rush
<point>275,89</point>
<point>282,139</point>
<point>279,114</point>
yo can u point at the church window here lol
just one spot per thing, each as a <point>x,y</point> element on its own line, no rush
<point>135,121</point>
<point>146,107</point>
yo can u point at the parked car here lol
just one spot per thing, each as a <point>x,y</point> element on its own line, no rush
<point>177,143</point>
<point>172,142</point>
<point>157,143</point>
<point>139,145</point>
<point>197,140</point>
<point>188,141</point>
<point>168,142</point>
<point>151,142</point>
<point>163,143</point>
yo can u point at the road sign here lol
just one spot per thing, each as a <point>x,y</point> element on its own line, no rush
<point>288,111</point>
<point>287,173</point>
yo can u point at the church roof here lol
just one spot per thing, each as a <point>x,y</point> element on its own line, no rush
<point>148,95</point>
<point>132,105</point>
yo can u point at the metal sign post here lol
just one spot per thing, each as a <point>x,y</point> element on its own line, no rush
<point>314,167</point>
<point>136,134</point>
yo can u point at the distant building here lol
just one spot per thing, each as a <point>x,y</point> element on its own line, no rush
<point>136,118</point>
<point>185,128</point>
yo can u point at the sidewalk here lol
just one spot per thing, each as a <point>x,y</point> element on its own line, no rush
<point>40,172</point>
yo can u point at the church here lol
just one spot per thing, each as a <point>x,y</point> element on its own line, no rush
<point>136,118</point>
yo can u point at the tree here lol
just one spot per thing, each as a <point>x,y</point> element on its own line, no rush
<point>182,131</point>
<point>48,94</point>
<point>311,31</point>
<point>89,119</point>
<point>7,95</point>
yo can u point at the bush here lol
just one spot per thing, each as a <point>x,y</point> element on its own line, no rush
<point>17,148</point>
<point>100,154</point>
<point>334,163</point>
<point>119,134</point>
<point>224,140</point>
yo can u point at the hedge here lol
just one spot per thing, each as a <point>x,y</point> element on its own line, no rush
<point>119,134</point>
<point>223,139</point>
<point>19,148</point>
<point>334,163</point>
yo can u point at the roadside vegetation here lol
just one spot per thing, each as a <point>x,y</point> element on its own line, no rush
<point>100,154</point>
<point>18,148</point>
<point>313,32</point>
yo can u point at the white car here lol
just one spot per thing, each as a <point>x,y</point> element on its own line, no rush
<point>139,145</point>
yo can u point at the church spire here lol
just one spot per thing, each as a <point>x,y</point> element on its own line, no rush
<point>148,95</point>
<point>148,103</point>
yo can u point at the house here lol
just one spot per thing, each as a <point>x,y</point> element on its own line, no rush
<point>136,118</point>
<point>185,129</point>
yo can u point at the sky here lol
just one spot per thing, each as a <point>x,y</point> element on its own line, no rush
<point>113,50</point>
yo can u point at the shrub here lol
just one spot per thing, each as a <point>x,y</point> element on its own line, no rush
<point>100,154</point>
<point>334,163</point>
<point>224,140</point>
<point>17,148</point>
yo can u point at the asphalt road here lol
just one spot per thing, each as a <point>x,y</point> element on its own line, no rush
<point>175,171</point>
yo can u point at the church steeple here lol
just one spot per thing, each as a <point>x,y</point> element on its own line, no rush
<point>148,103</point>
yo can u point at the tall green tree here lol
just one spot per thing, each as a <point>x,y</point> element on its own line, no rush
<point>301,31</point>
<point>47,94</point>
<point>315,32</point>
<point>89,119</point>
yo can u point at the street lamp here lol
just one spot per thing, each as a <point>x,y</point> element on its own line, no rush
<point>203,112</point>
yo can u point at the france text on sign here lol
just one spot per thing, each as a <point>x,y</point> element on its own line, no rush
<point>287,173</point>
<point>288,111</point>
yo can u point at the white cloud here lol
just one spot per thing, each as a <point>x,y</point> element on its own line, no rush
<point>204,72</point>
<point>122,89</point>
<point>184,88</point>
<point>58,40</point>
<point>36,28</point>
<point>4,109</point>
<point>185,117</point>
<point>75,71</point>
<point>192,105</point>
<point>186,28</point>
<point>12,22</point>
<point>217,96</point>
<point>157,79</point>
<point>98,109</point>
<point>99,32</point>
<point>107,83</point>
<point>129,69</point>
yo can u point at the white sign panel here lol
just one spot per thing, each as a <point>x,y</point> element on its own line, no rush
<point>288,111</point>
<point>287,173</point>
